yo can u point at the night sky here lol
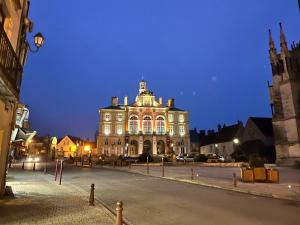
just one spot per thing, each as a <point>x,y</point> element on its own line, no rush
<point>210,55</point>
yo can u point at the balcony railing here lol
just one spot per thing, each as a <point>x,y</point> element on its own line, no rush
<point>9,63</point>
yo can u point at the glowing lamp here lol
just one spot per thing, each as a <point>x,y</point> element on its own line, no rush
<point>39,40</point>
<point>236,141</point>
<point>87,148</point>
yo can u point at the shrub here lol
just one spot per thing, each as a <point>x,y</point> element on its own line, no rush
<point>143,157</point>
<point>200,158</point>
<point>256,161</point>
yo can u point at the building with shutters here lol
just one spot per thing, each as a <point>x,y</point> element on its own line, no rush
<point>144,126</point>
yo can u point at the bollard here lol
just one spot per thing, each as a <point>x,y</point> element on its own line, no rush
<point>114,164</point>
<point>61,171</point>
<point>45,169</point>
<point>163,167</point>
<point>56,168</point>
<point>92,194</point>
<point>33,166</point>
<point>147,165</point>
<point>192,174</point>
<point>129,165</point>
<point>119,210</point>
<point>9,165</point>
<point>234,180</point>
<point>23,166</point>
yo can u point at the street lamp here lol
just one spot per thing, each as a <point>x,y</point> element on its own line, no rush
<point>236,141</point>
<point>38,42</point>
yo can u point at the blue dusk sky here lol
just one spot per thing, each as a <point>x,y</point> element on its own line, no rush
<point>210,55</point>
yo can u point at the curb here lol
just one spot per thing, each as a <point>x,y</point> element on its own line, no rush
<point>266,195</point>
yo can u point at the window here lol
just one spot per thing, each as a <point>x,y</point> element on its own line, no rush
<point>106,129</point>
<point>2,16</point>
<point>119,117</point>
<point>133,125</point>
<point>160,125</point>
<point>181,130</point>
<point>119,129</point>
<point>147,125</point>
<point>107,116</point>
<point>181,118</point>
<point>171,118</point>
<point>171,130</point>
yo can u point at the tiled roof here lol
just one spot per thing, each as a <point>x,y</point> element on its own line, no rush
<point>225,134</point>
<point>264,125</point>
<point>176,109</point>
<point>113,107</point>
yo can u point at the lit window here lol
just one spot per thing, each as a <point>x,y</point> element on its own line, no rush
<point>106,129</point>
<point>160,125</point>
<point>147,125</point>
<point>181,118</point>
<point>171,118</point>
<point>171,130</point>
<point>119,129</point>
<point>107,116</point>
<point>133,125</point>
<point>181,130</point>
<point>119,117</point>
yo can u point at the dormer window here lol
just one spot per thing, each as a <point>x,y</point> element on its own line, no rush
<point>107,116</point>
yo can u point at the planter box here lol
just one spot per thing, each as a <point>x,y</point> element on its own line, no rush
<point>247,175</point>
<point>260,174</point>
<point>272,175</point>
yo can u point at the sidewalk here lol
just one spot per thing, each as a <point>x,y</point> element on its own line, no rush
<point>222,178</point>
<point>39,200</point>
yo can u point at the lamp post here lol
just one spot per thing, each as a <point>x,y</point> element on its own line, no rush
<point>236,143</point>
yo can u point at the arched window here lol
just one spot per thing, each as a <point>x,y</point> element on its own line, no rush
<point>160,125</point>
<point>133,125</point>
<point>147,125</point>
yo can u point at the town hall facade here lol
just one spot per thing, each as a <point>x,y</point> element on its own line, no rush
<point>145,126</point>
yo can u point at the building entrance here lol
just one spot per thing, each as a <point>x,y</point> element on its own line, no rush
<point>147,148</point>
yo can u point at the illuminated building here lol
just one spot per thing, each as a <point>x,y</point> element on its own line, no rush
<point>14,25</point>
<point>145,126</point>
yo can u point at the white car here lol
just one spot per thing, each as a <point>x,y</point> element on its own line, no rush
<point>33,159</point>
<point>185,158</point>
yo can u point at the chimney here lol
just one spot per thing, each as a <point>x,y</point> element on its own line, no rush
<point>219,127</point>
<point>160,100</point>
<point>202,133</point>
<point>114,101</point>
<point>171,103</point>
<point>240,123</point>
<point>125,100</point>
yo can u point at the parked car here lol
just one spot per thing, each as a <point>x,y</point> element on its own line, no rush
<point>185,158</point>
<point>214,158</point>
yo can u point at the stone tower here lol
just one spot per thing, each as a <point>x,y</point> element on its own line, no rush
<point>285,99</point>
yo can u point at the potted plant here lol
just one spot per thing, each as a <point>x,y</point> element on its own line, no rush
<point>257,163</point>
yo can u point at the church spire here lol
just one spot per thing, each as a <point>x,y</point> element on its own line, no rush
<point>282,36</point>
<point>271,42</point>
<point>272,50</point>
<point>283,43</point>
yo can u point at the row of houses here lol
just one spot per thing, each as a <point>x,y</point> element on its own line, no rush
<point>68,146</point>
<point>223,141</point>
<point>228,138</point>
